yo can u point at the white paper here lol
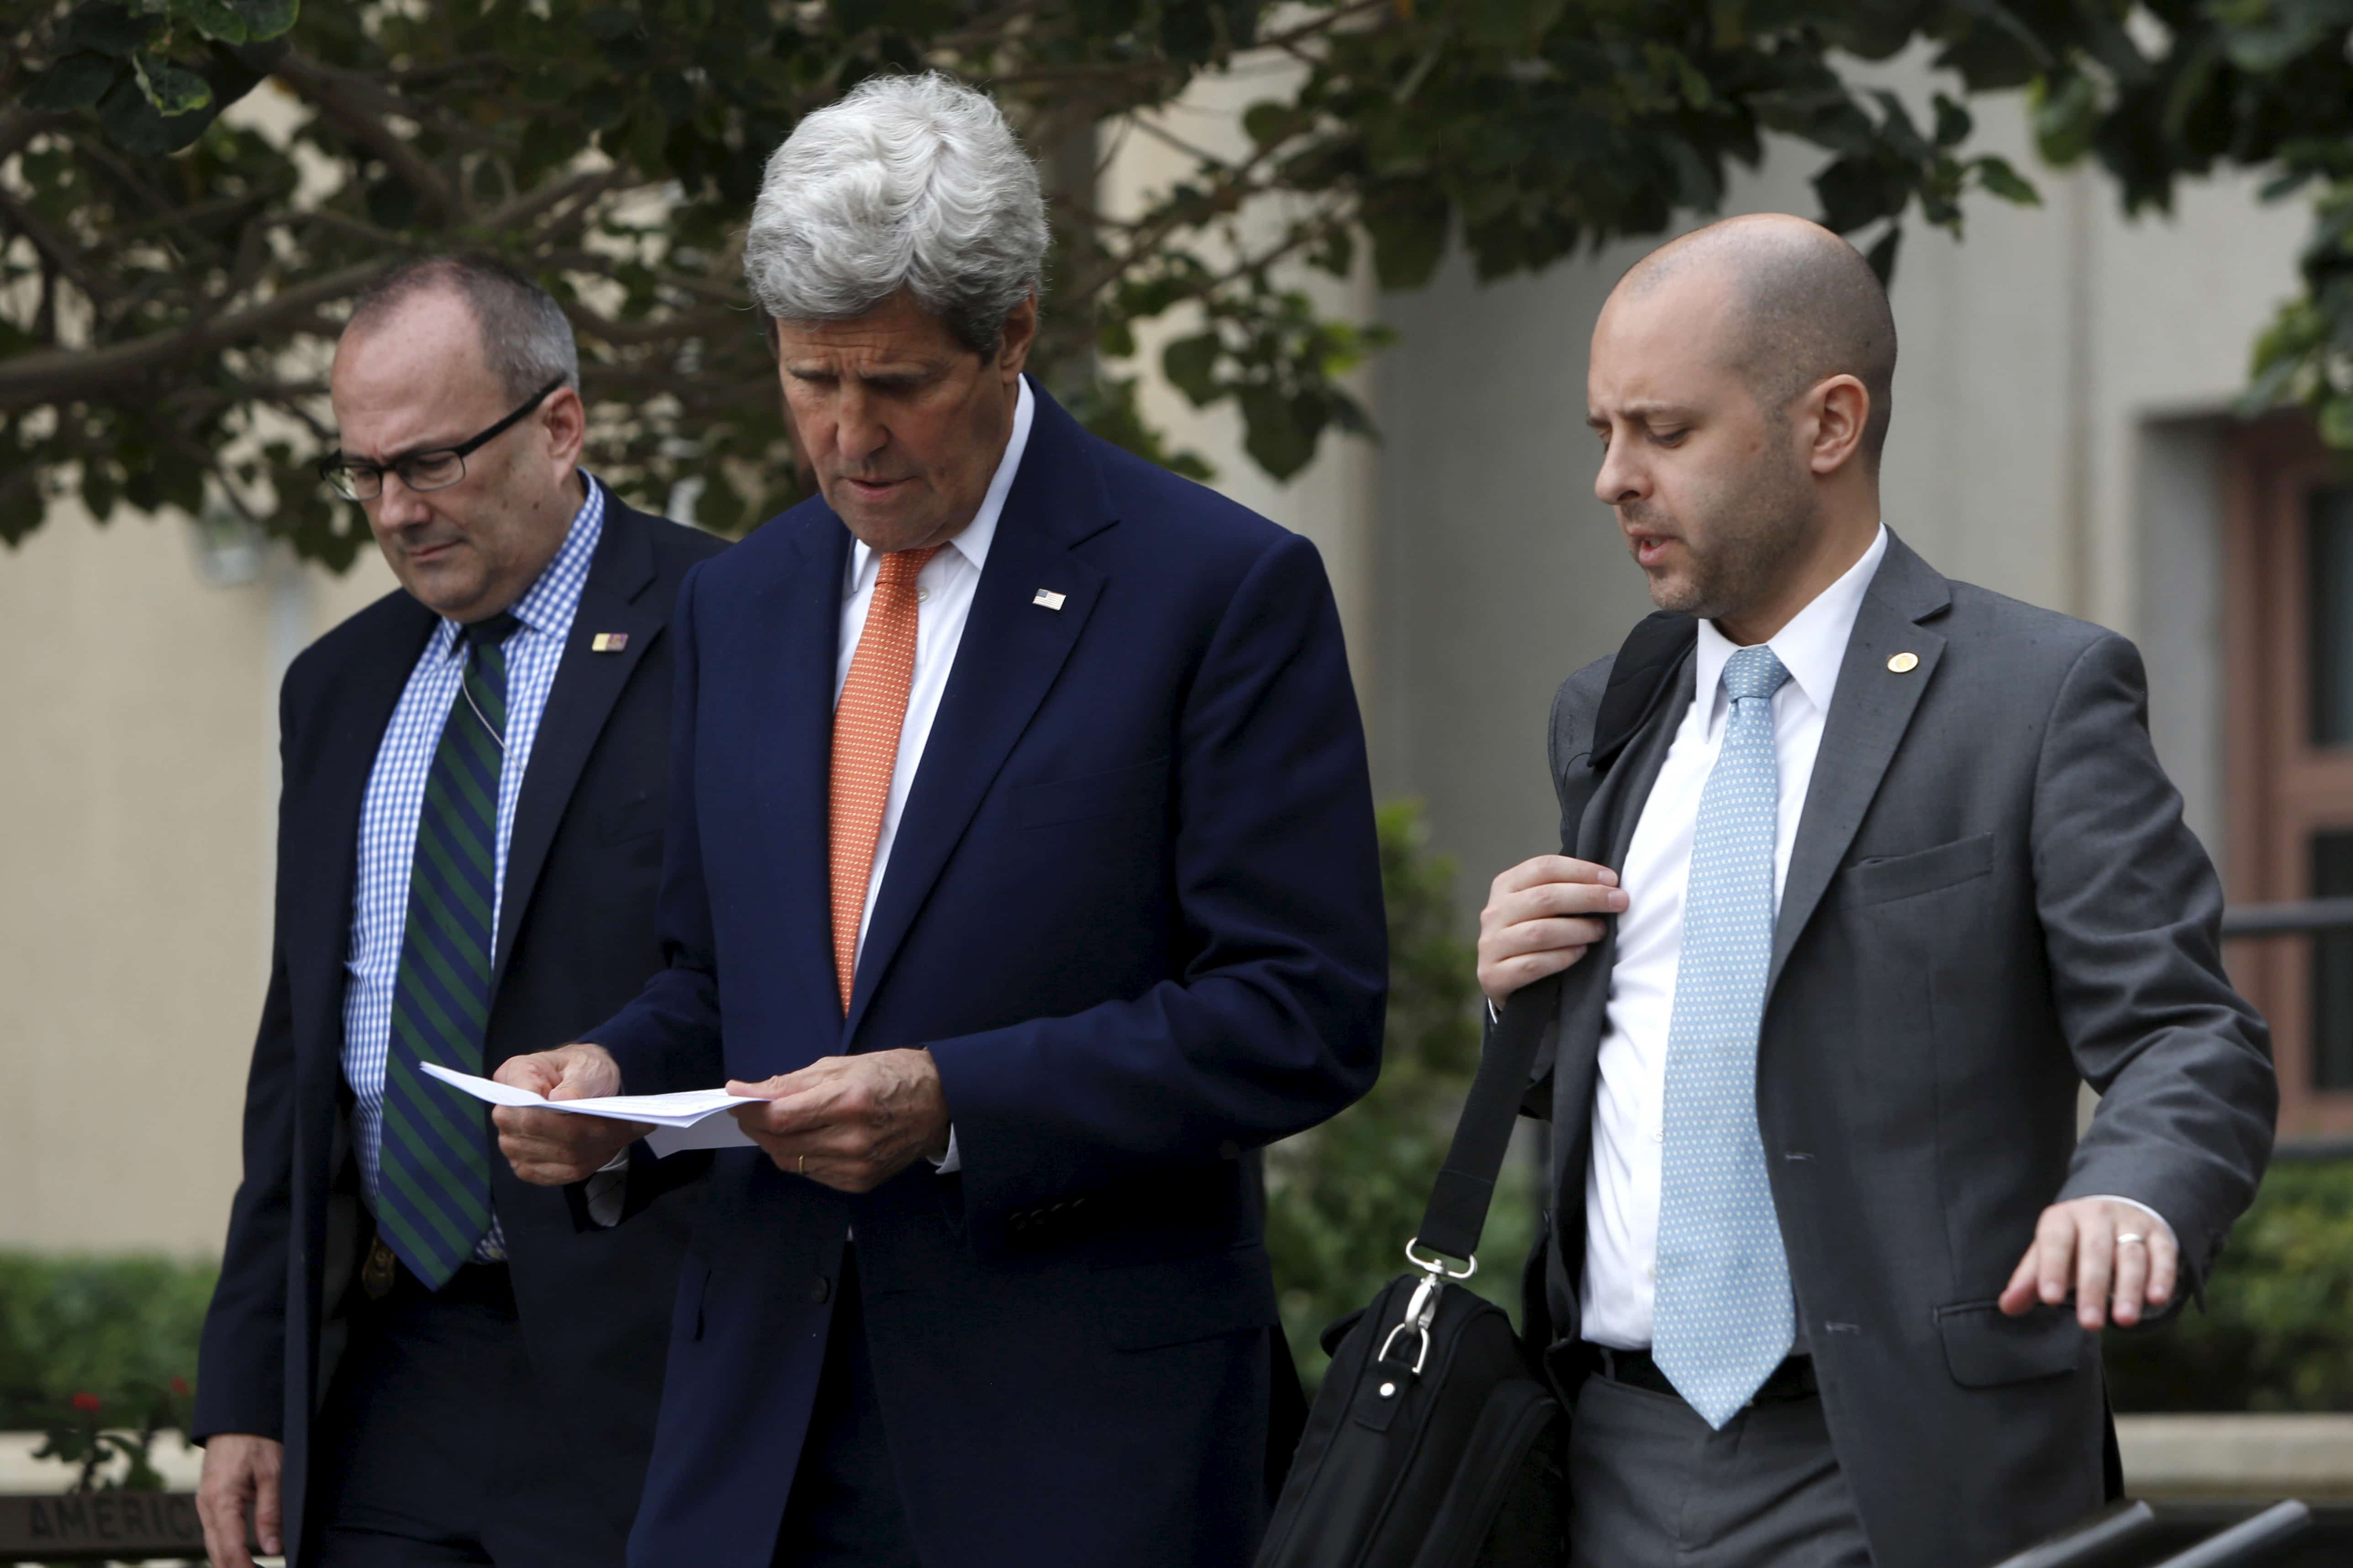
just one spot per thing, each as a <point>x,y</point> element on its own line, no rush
<point>690,1119</point>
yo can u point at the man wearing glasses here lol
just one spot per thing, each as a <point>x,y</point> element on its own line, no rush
<point>412,1357</point>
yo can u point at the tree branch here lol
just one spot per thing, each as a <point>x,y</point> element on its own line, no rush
<point>358,107</point>
<point>65,376</point>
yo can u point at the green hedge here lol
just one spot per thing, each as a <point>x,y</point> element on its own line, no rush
<point>119,1330</point>
<point>2277,1330</point>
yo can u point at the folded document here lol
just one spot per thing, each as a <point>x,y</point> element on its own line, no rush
<point>692,1119</point>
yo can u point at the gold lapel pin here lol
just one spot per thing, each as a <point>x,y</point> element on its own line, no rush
<point>1905,663</point>
<point>1047,597</point>
<point>608,642</point>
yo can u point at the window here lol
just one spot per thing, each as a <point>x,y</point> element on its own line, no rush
<point>2288,632</point>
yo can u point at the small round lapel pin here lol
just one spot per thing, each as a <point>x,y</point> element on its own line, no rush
<point>1905,663</point>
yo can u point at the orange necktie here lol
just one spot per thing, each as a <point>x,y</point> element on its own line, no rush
<point>865,725</point>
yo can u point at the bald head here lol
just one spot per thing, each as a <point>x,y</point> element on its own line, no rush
<point>1802,306</point>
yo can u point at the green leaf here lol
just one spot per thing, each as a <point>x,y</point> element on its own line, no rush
<point>135,126</point>
<point>77,81</point>
<point>1274,434</point>
<point>2336,422</point>
<point>174,90</point>
<point>1408,234</point>
<point>106,28</point>
<point>215,19</point>
<point>1996,174</point>
<point>2066,117</point>
<point>267,18</point>
<point>1191,366</point>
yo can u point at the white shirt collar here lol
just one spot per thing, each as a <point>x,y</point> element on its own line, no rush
<point>1811,646</point>
<point>974,540</point>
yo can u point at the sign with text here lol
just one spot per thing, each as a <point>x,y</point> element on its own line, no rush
<point>100,1527</point>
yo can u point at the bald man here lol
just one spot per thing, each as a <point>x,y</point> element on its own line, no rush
<point>1861,873</point>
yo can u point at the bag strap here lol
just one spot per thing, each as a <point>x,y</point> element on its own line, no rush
<point>1457,1211</point>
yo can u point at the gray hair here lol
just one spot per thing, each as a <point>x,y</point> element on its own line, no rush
<point>526,338</point>
<point>909,182</point>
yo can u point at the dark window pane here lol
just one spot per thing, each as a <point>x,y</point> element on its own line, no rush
<point>2332,967</point>
<point>2328,569</point>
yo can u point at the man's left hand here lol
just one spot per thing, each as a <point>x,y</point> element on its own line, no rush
<point>548,1148</point>
<point>2084,1245</point>
<point>852,1122</point>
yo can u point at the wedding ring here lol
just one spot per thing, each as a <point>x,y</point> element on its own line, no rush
<point>2130,1237</point>
<point>802,1170</point>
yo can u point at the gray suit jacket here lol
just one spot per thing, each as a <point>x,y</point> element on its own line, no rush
<point>1992,897</point>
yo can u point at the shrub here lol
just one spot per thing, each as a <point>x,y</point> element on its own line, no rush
<point>2277,1330</point>
<point>119,1331</point>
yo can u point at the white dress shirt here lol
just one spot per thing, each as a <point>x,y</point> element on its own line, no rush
<point>1622,1193</point>
<point>394,800</point>
<point>944,593</point>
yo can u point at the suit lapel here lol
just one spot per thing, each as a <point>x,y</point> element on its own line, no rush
<point>1869,714</point>
<point>353,711</point>
<point>788,672</point>
<point>1010,654</point>
<point>586,685</point>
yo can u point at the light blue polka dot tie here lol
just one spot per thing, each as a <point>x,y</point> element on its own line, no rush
<point>1723,1318</point>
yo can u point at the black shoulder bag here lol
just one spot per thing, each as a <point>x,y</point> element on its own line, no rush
<point>1434,1443</point>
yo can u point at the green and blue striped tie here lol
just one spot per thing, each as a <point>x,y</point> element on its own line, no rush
<point>433,1195</point>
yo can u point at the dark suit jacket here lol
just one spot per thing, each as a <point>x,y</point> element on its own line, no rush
<point>575,940</point>
<point>1991,898</point>
<point>1134,909</point>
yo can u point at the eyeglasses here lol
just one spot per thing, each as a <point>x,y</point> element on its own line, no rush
<point>355,479</point>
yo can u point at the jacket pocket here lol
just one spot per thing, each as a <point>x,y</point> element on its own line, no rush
<point>1140,787</point>
<point>1878,881</point>
<point>1984,1349</point>
<point>1176,1301</point>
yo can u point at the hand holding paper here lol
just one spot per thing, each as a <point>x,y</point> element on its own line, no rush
<point>559,1120</point>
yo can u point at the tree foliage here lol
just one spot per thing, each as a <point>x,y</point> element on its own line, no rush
<point>190,189</point>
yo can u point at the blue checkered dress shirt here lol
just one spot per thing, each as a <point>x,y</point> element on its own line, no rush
<point>395,794</point>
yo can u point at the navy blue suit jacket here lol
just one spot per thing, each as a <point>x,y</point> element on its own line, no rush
<point>575,939</point>
<point>1134,909</point>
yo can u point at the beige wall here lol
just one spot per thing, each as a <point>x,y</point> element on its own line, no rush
<point>136,828</point>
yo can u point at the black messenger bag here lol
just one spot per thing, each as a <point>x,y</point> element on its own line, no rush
<point>1434,1443</point>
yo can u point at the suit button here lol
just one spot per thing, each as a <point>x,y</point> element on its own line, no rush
<point>819,1288</point>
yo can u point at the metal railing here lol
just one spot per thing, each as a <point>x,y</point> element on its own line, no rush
<point>2295,917</point>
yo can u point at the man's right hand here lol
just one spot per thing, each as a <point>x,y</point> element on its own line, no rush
<point>547,1148</point>
<point>240,1471</point>
<point>1541,916</point>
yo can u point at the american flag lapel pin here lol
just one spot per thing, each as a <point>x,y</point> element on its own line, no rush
<point>1047,597</point>
<point>608,642</point>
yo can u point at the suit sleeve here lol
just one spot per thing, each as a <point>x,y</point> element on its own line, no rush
<point>668,1040</point>
<point>242,1358</point>
<point>2131,914</point>
<point>1276,1023</point>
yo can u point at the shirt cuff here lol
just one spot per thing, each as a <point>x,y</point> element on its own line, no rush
<point>2134,1202</point>
<point>608,1191</point>
<point>949,1163</point>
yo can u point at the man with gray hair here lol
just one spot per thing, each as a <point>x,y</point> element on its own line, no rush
<point>1022,864</point>
<point>413,1358</point>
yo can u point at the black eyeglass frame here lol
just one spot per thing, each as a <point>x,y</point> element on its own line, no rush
<point>336,467</point>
